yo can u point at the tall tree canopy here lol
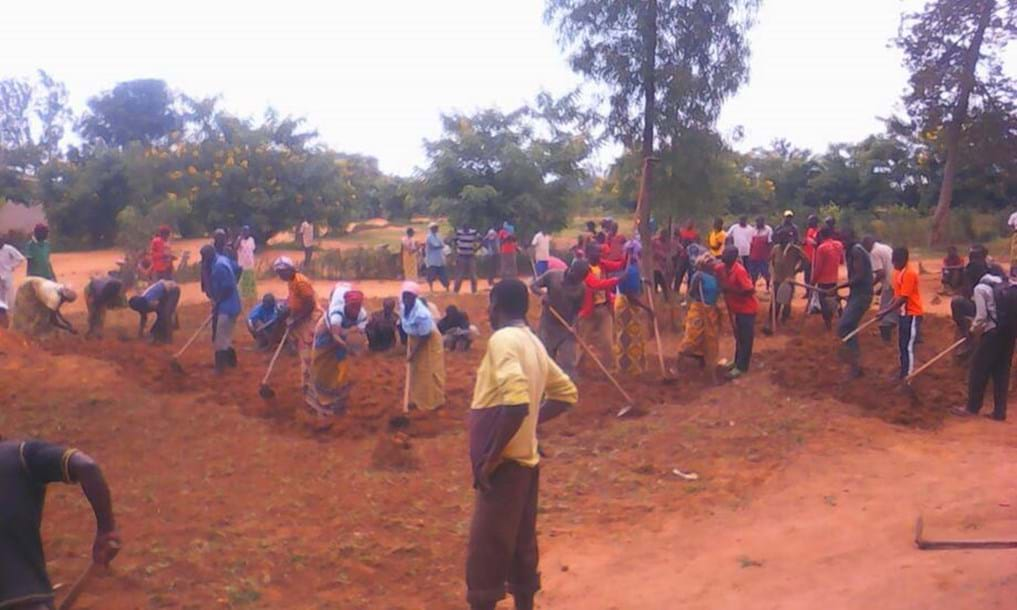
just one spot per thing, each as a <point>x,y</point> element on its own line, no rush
<point>669,64</point>
<point>952,49</point>
<point>134,111</point>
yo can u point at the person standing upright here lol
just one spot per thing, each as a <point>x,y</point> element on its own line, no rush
<point>788,226</point>
<point>994,330</point>
<point>409,250</point>
<point>37,251</point>
<point>541,245</point>
<point>161,254</point>
<point>881,256</point>
<point>518,387</point>
<point>434,258</point>
<point>740,236</point>
<point>740,296</point>
<point>10,259</point>
<point>225,306</point>
<point>307,242</point>
<point>509,247</point>
<point>715,240</point>
<point>467,242</point>
<point>908,299</point>
<point>245,248</point>
<point>1012,223</point>
<point>826,271</point>
<point>759,252</point>
<point>491,253</point>
<point>859,300</point>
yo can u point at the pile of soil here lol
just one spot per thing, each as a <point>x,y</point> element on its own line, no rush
<point>811,367</point>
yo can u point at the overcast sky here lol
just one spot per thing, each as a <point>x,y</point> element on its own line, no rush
<point>374,76</point>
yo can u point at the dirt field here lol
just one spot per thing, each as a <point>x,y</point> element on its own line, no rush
<point>806,496</point>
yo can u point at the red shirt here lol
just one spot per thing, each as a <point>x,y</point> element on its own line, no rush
<point>811,237</point>
<point>594,284</point>
<point>735,282</point>
<point>508,242</point>
<point>615,248</point>
<point>759,248</point>
<point>157,252</point>
<point>829,254</point>
<point>687,236</point>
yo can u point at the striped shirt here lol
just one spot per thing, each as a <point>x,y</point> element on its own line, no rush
<point>467,241</point>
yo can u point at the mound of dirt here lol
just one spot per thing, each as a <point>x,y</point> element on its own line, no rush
<point>811,367</point>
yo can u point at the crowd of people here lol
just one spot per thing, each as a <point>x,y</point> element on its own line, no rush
<point>524,378</point>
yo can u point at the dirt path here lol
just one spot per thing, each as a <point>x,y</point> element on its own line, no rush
<point>834,531</point>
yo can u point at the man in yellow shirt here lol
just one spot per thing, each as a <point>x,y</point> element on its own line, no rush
<point>518,386</point>
<point>717,237</point>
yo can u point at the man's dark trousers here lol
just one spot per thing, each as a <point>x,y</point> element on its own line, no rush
<point>991,360</point>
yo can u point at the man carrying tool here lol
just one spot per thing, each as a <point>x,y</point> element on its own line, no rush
<point>596,316</point>
<point>101,294</point>
<point>161,298</point>
<point>302,304</point>
<point>265,322</point>
<point>825,272</point>
<point>962,306</point>
<point>26,468</point>
<point>565,292</point>
<point>225,305</point>
<point>881,256</point>
<point>994,330</point>
<point>518,387</point>
<point>786,259</point>
<point>859,299</point>
<point>740,296</point>
<point>908,299</point>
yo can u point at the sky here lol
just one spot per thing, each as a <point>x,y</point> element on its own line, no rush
<point>374,77</point>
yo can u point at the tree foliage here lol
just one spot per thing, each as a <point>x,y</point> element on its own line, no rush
<point>134,111</point>
<point>524,166</point>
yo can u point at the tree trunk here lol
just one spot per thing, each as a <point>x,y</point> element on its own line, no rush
<point>649,70</point>
<point>937,235</point>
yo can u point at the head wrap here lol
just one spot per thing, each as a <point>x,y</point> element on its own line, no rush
<point>282,263</point>
<point>411,287</point>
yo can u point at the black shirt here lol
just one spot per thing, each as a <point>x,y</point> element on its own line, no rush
<point>25,470</point>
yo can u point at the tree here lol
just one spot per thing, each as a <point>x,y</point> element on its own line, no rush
<point>490,166</point>
<point>670,64</point>
<point>134,111</point>
<point>952,49</point>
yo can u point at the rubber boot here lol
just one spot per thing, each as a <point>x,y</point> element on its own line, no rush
<point>221,360</point>
<point>524,602</point>
<point>231,357</point>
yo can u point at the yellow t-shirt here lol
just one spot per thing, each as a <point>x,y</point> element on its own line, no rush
<point>516,370</point>
<point>716,242</point>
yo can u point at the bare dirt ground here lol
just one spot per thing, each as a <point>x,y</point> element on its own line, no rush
<point>807,493</point>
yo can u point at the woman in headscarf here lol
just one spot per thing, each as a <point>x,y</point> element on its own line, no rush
<point>424,351</point>
<point>630,343</point>
<point>302,312</point>
<point>702,324</point>
<point>38,306</point>
<point>329,388</point>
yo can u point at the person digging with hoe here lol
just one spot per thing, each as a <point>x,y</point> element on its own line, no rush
<point>26,468</point>
<point>38,304</point>
<point>518,387</point>
<point>225,297</point>
<point>161,298</point>
<point>860,281</point>
<point>907,299</point>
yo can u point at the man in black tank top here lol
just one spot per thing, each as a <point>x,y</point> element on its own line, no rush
<point>859,300</point>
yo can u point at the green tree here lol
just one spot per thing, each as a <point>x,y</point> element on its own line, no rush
<point>952,49</point>
<point>490,166</point>
<point>669,64</point>
<point>134,111</point>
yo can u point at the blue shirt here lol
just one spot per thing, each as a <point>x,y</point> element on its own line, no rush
<point>224,287</point>
<point>418,322</point>
<point>435,251</point>
<point>263,316</point>
<point>155,292</point>
<point>709,285</point>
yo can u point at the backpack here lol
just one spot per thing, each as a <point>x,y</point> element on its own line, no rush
<point>1005,296</point>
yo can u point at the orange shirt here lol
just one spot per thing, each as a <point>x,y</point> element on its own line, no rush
<point>905,285</point>
<point>301,299</point>
<point>160,258</point>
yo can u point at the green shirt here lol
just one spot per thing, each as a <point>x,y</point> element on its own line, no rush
<point>37,254</point>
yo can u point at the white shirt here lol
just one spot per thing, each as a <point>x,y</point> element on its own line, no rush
<point>882,260</point>
<point>766,231</point>
<point>10,259</point>
<point>1013,221</point>
<point>307,234</point>
<point>541,246</point>
<point>985,302</point>
<point>47,291</point>
<point>245,253</point>
<point>741,237</point>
